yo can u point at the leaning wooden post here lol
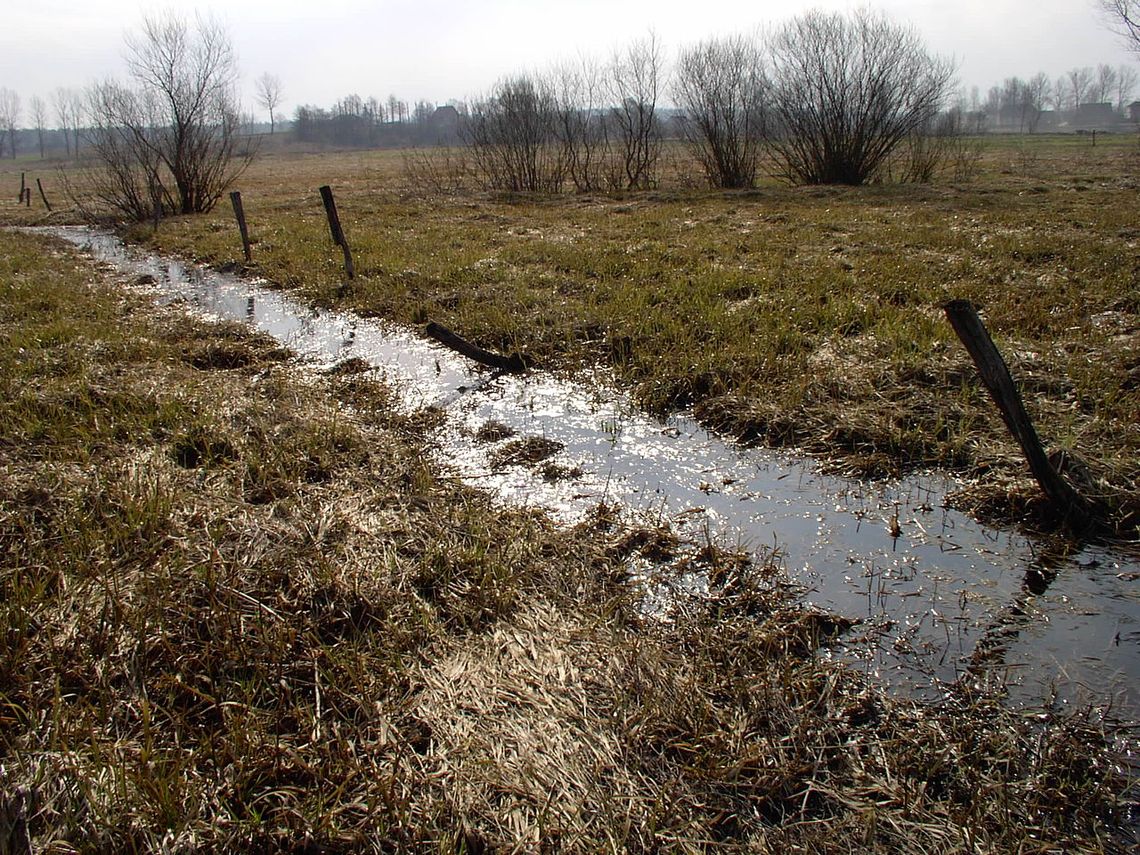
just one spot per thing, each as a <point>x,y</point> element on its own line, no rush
<point>239,212</point>
<point>43,195</point>
<point>337,231</point>
<point>1076,509</point>
<point>22,185</point>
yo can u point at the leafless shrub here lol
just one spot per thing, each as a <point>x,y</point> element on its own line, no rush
<point>511,137</point>
<point>580,122</point>
<point>940,146</point>
<point>720,86</point>
<point>170,143</point>
<point>847,90</point>
<point>124,141</point>
<point>441,170</point>
<point>635,82</point>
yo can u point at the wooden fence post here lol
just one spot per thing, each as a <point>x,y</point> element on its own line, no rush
<point>337,231</point>
<point>963,317</point>
<point>22,185</point>
<point>43,195</point>
<point>239,212</point>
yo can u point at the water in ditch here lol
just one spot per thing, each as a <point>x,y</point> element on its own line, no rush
<point>945,600</point>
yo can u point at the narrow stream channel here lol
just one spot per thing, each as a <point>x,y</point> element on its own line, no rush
<point>945,593</point>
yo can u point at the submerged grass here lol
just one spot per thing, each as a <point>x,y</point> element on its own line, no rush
<point>800,316</point>
<point>241,611</point>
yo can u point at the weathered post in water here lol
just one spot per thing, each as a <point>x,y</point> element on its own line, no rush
<point>239,212</point>
<point>963,317</point>
<point>43,195</point>
<point>337,231</point>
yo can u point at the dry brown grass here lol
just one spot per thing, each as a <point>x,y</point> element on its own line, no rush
<point>240,610</point>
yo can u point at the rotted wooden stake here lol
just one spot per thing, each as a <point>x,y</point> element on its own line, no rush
<point>337,231</point>
<point>43,195</point>
<point>239,212</point>
<point>1076,509</point>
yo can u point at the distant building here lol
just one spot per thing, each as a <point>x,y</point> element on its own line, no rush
<point>1095,116</point>
<point>444,117</point>
<point>1047,120</point>
<point>1134,112</point>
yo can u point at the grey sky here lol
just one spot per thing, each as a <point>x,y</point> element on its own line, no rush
<point>440,49</point>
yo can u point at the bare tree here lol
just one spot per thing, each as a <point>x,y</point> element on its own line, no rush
<point>580,122</point>
<point>635,81</point>
<point>1124,17</point>
<point>1103,85</point>
<point>992,104</point>
<point>268,94</point>
<point>1020,101</point>
<point>1013,103</point>
<point>720,86</point>
<point>39,120</point>
<point>846,91</point>
<point>422,113</point>
<point>1126,80</point>
<point>511,135</point>
<point>1079,82</point>
<point>1038,92</point>
<point>1062,99</point>
<point>9,118</point>
<point>59,100</point>
<point>69,111</point>
<point>170,143</point>
<point>397,109</point>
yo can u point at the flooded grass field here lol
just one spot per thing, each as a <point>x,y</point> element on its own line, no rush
<point>940,598</point>
<point>281,573</point>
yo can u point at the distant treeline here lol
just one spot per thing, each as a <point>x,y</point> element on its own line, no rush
<point>356,122</point>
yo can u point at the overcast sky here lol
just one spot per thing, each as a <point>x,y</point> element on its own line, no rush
<point>437,50</point>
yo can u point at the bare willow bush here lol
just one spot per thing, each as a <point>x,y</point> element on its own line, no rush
<point>580,122</point>
<point>168,143</point>
<point>941,147</point>
<point>439,170</point>
<point>846,92</point>
<point>720,87</point>
<point>511,137</point>
<point>635,78</point>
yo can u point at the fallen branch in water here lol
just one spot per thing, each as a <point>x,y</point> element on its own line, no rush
<point>515,363</point>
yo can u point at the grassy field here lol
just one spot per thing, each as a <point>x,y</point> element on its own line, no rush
<point>796,316</point>
<point>239,611</point>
